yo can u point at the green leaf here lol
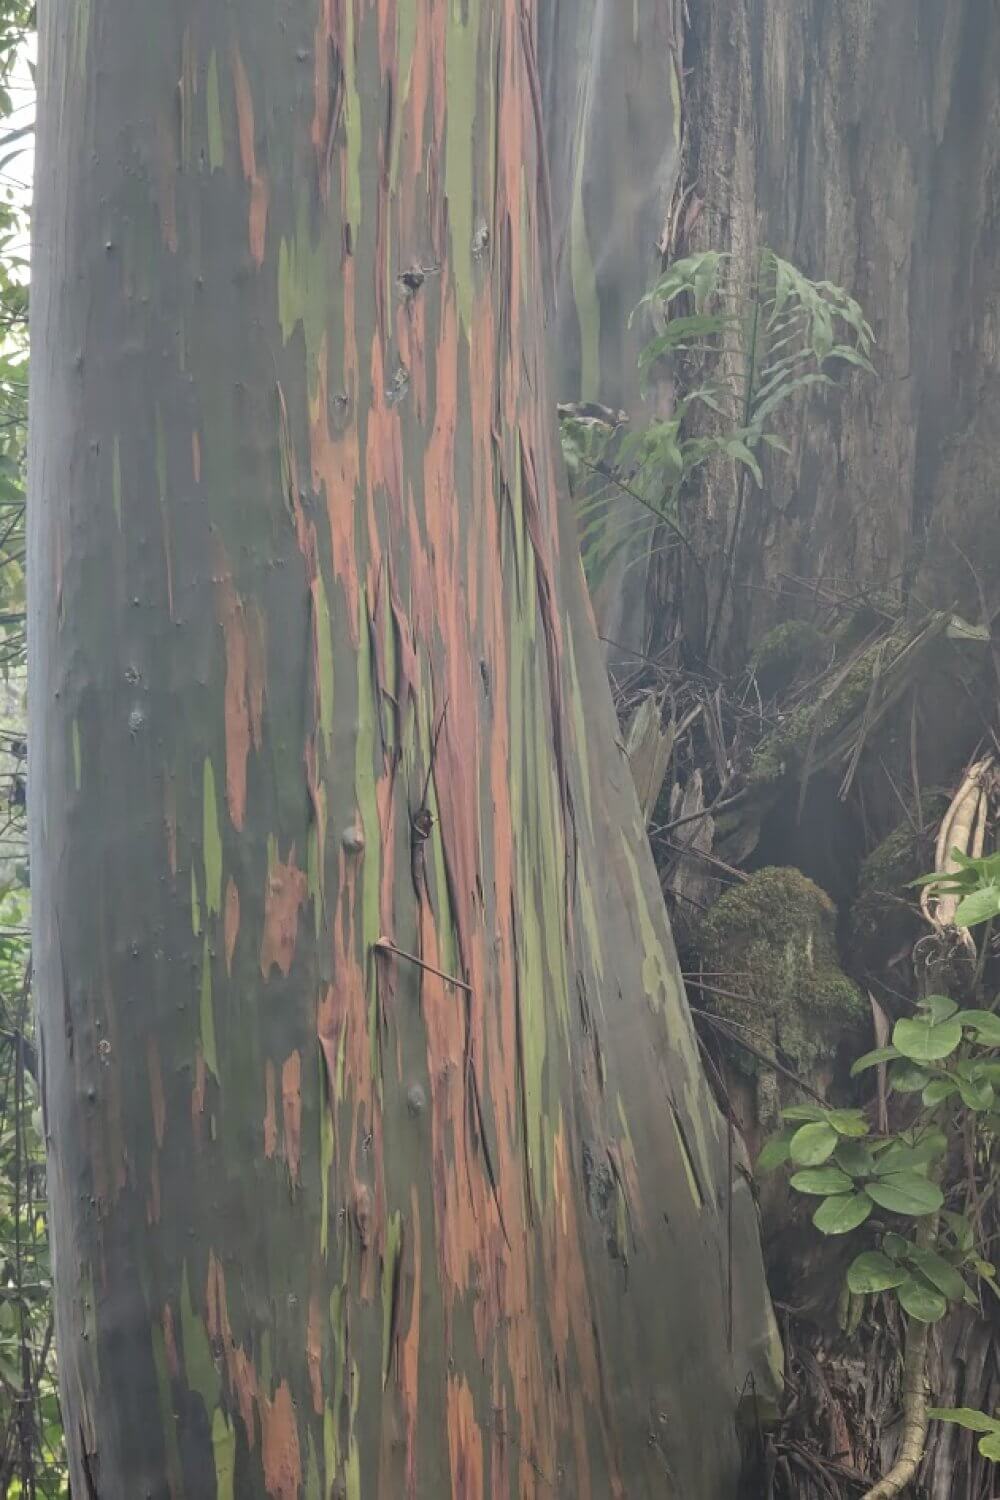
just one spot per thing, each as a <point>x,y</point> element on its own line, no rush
<point>849,1122</point>
<point>938,1007</point>
<point>804,1112</point>
<point>920,1301</point>
<point>895,1246</point>
<point>979,906</point>
<point>903,1155</point>
<point>813,1144</point>
<point>939,1272</point>
<point>984,1023</point>
<point>926,1041</point>
<point>873,1272</point>
<point>906,1078</point>
<point>989,1447</point>
<point>822,1180</point>
<point>938,1090</point>
<point>959,1228</point>
<point>906,1193</point>
<point>855,1158</point>
<point>964,1416</point>
<point>774,1153</point>
<point>842,1213</point>
<point>872,1059</point>
<point>976,1096</point>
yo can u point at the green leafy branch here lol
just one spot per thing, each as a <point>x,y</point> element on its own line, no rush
<point>738,350</point>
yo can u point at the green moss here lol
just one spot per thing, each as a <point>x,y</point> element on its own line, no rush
<point>772,942</point>
<point>784,652</point>
<point>786,749</point>
<point>883,917</point>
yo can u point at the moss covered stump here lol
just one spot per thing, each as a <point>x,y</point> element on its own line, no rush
<point>770,945</point>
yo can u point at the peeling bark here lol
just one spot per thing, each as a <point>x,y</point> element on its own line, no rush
<point>326,1222</point>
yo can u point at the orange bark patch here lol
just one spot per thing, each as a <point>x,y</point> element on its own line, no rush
<point>156,1099</point>
<point>314,1353</point>
<point>240,1368</point>
<point>280,1444</point>
<point>270,1115</point>
<point>170,1342</point>
<point>465,1443</point>
<point>408,1362</point>
<point>248,157</point>
<point>236,702</point>
<point>232,921</point>
<point>287,889</point>
<point>291,1110</point>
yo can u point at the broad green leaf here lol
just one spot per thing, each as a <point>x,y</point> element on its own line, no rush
<point>895,1246</point>
<point>822,1180</point>
<point>873,1272</point>
<point>872,1059</point>
<point>939,1272</point>
<point>921,1301</point>
<point>989,1447</point>
<point>804,1112</point>
<point>813,1144</point>
<point>907,1078</point>
<point>849,1122</point>
<point>906,1193</point>
<point>855,1157</point>
<point>907,1156</point>
<point>774,1153</point>
<point>926,1041</point>
<point>842,1213</point>
<point>938,1090</point>
<point>938,1007</point>
<point>979,906</point>
<point>965,1416</point>
<point>975,1096</point>
<point>984,1023</point>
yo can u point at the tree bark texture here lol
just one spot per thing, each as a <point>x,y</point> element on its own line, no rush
<point>861,142</point>
<point>612,90</point>
<point>380,1157</point>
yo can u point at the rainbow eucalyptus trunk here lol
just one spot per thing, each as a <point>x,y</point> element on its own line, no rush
<point>381,1162</point>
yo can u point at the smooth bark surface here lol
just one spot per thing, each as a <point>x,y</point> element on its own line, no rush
<point>612,89</point>
<point>310,654</point>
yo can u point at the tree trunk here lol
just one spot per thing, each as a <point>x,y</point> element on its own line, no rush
<point>612,88</point>
<point>380,1158</point>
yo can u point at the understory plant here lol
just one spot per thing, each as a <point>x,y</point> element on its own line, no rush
<point>928,1251</point>
<point>737,349</point>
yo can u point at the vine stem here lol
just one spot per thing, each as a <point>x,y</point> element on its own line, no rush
<point>915,1421</point>
<point>915,1402</point>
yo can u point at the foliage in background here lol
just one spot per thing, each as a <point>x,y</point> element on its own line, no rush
<point>949,1060</point>
<point>737,353</point>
